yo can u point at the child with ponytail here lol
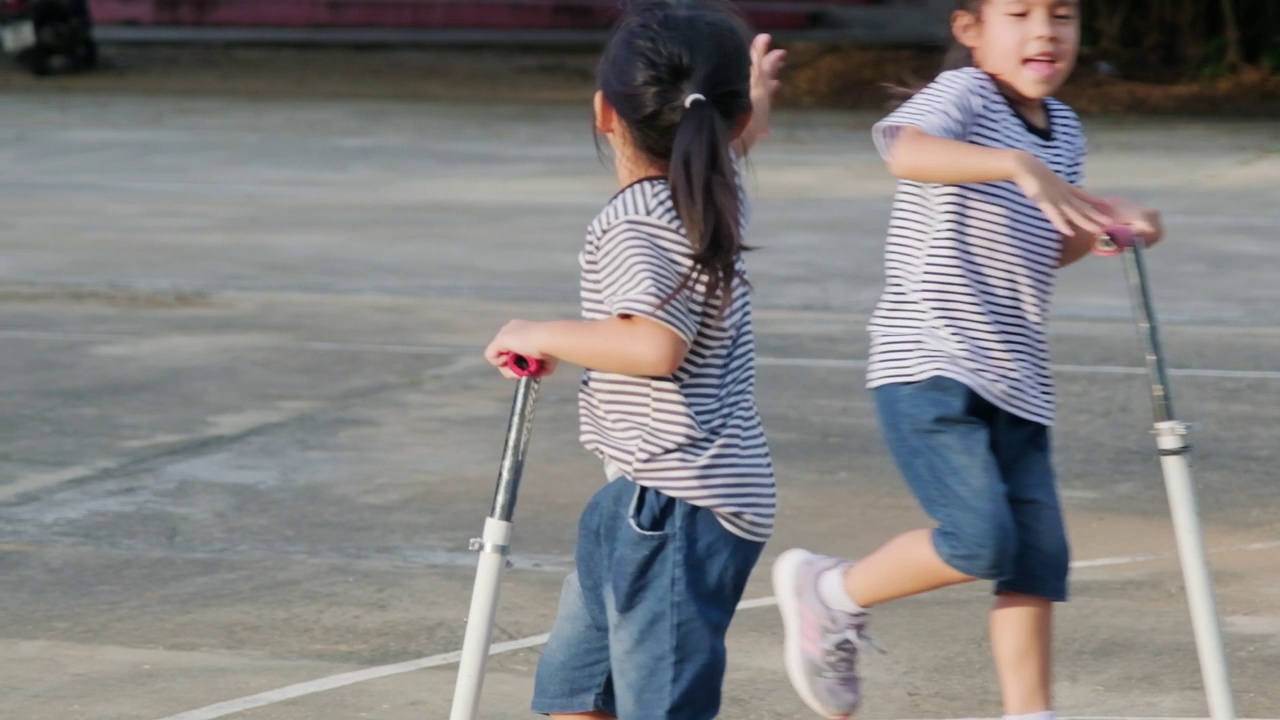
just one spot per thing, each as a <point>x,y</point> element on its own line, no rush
<point>667,402</point>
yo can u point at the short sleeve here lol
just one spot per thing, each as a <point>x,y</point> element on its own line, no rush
<point>639,274</point>
<point>945,108</point>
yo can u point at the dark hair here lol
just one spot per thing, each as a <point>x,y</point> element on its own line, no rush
<point>958,56</point>
<point>660,53</point>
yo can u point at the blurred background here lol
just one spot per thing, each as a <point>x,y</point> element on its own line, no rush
<point>1161,56</point>
<point>250,252</point>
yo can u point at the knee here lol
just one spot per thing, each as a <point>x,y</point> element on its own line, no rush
<point>1055,554</point>
<point>985,547</point>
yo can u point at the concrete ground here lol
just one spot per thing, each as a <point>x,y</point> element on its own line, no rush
<point>246,433</point>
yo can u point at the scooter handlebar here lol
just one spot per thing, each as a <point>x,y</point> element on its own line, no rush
<point>525,367</point>
<point>1115,240</point>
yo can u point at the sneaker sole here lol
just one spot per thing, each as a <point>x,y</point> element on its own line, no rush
<point>784,582</point>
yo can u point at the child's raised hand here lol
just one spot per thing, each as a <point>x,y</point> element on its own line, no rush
<point>766,66</point>
<point>1069,208</point>
<point>518,337</point>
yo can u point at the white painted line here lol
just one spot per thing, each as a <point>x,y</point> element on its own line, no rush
<point>271,697</point>
<point>757,603</point>
<point>311,687</point>
<point>838,364</point>
<point>51,335</point>
<point>1145,557</point>
<point>833,363</point>
<point>798,362</point>
<point>299,344</point>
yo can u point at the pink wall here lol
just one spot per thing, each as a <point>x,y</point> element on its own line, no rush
<point>547,14</point>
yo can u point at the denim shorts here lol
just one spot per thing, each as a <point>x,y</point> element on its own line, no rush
<point>986,478</point>
<point>640,633</point>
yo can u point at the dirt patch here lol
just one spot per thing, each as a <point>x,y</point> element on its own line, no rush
<point>818,76</point>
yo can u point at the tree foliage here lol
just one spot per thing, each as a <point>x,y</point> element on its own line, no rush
<point>1182,38</point>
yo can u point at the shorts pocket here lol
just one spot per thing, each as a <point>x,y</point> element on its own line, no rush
<point>651,514</point>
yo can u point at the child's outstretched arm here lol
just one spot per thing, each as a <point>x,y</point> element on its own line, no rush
<point>636,346</point>
<point>921,157</point>
<point>766,66</point>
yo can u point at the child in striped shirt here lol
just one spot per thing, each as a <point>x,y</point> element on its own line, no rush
<point>989,207</point>
<point>667,400</point>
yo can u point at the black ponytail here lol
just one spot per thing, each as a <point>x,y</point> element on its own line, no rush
<point>703,185</point>
<point>678,73</point>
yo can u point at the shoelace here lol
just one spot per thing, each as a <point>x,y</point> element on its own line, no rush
<point>841,647</point>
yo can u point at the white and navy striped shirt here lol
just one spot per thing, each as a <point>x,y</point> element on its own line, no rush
<point>969,269</point>
<point>695,435</point>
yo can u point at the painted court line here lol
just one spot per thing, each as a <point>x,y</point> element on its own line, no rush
<point>764,361</point>
<point>311,687</point>
<point>271,697</point>
<point>838,364</point>
<point>299,344</point>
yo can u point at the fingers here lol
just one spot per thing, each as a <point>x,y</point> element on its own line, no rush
<point>766,64</point>
<point>1085,216</point>
<point>1059,221</point>
<point>1099,210</point>
<point>496,355</point>
<point>1074,211</point>
<point>760,47</point>
<point>498,358</point>
<point>1149,227</point>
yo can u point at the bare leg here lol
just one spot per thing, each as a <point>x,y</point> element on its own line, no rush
<point>906,565</point>
<point>1022,645</point>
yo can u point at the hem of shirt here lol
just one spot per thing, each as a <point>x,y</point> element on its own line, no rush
<point>722,518</point>
<point>971,381</point>
<point>613,471</point>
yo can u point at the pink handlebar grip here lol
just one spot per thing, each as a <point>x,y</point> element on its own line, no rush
<point>1115,240</point>
<point>525,367</point>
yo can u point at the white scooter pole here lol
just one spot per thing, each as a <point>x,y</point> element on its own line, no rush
<point>494,545</point>
<point>1179,485</point>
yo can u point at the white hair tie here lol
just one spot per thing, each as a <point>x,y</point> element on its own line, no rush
<point>691,98</point>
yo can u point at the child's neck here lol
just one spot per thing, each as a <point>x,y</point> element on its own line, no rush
<point>632,169</point>
<point>628,176</point>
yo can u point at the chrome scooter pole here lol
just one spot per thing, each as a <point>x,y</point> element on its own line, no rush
<point>1171,442</point>
<point>494,544</point>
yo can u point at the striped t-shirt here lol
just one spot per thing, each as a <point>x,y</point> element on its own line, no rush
<point>695,435</point>
<point>969,269</point>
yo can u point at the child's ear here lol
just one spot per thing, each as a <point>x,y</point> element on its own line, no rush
<point>606,116</point>
<point>965,28</point>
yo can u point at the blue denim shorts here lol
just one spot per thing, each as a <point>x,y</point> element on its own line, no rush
<point>986,478</point>
<point>640,633</point>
